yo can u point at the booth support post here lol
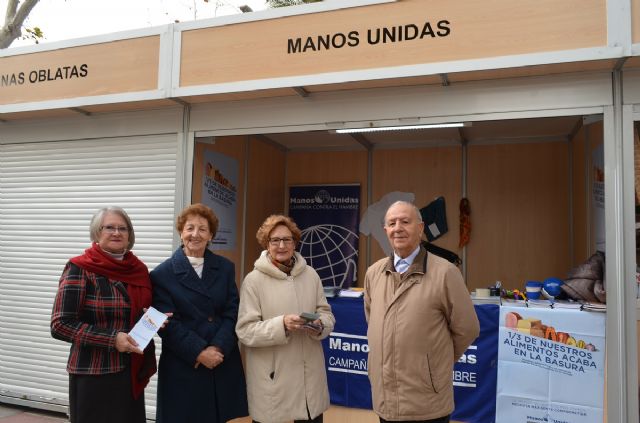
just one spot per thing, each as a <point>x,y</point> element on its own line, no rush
<point>184,170</point>
<point>621,337</point>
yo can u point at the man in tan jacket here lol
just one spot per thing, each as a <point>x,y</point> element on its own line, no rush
<point>421,320</point>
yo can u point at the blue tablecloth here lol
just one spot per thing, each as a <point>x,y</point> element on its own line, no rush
<point>474,376</point>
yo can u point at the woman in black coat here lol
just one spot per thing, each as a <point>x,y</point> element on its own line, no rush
<point>200,376</point>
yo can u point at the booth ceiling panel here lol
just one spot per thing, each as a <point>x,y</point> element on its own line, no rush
<point>248,95</point>
<point>315,139</point>
<point>632,62</point>
<point>38,114</point>
<point>378,83</point>
<point>537,70</point>
<point>500,131</point>
<point>524,128</point>
<point>138,105</point>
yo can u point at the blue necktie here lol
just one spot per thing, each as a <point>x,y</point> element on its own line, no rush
<point>402,266</point>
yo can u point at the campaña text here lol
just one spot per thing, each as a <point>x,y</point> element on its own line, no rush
<point>348,363</point>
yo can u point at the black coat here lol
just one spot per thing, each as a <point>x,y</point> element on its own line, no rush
<point>204,313</point>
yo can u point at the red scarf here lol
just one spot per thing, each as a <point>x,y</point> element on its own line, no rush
<point>135,275</point>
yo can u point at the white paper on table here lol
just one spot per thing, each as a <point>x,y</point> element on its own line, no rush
<point>350,293</point>
<point>148,325</point>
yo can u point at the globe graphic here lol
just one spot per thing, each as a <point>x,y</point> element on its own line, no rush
<point>332,251</point>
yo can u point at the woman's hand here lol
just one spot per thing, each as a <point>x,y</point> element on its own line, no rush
<point>126,344</point>
<point>166,322</point>
<point>314,328</point>
<point>210,357</point>
<point>293,322</point>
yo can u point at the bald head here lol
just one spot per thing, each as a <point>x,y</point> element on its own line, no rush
<point>403,226</point>
<point>416,212</point>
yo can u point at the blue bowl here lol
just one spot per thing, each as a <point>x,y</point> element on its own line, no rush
<point>552,286</point>
<point>533,295</point>
<point>535,285</point>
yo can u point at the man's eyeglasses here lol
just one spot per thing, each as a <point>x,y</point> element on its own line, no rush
<point>275,242</point>
<point>113,229</point>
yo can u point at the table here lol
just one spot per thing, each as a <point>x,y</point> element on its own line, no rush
<point>474,376</point>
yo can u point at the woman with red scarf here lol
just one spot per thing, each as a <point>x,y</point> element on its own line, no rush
<point>101,295</point>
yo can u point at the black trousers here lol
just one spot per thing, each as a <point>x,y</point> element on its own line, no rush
<point>444,419</point>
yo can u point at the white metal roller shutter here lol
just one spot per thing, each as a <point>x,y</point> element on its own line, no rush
<point>48,193</point>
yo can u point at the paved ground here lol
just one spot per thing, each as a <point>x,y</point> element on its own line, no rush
<point>16,414</point>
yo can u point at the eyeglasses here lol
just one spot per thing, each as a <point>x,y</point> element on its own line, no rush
<point>113,229</point>
<point>275,242</point>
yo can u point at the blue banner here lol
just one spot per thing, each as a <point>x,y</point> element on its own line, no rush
<point>474,376</point>
<point>345,355</point>
<point>328,216</point>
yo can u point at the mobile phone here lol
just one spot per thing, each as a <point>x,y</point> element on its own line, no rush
<point>312,326</point>
<point>310,317</point>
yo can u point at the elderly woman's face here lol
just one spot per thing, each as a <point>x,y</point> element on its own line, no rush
<point>281,244</point>
<point>195,235</point>
<point>114,234</point>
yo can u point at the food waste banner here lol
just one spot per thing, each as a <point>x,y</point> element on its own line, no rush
<point>550,366</point>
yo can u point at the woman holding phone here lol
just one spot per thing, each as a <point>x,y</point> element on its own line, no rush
<point>282,319</point>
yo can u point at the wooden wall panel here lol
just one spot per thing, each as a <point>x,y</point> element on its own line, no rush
<point>581,198</point>
<point>595,136</point>
<point>588,139</point>
<point>265,193</point>
<point>468,30</point>
<point>342,167</point>
<point>426,172</point>
<point>519,197</point>
<point>234,147</point>
<point>108,68</point>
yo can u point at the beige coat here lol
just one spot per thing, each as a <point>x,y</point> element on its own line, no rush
<point>284,372</point>
<point>420,323</point>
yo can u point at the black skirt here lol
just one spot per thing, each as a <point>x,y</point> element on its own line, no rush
<point>104,399</point>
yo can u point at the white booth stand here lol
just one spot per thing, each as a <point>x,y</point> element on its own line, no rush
<point>122,127</point>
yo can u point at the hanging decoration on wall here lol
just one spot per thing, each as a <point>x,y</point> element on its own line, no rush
<point>328,217</point>
<point>372,222</point>
<point>219,191</point>
<point>465,222</point>
<point>434,216</point>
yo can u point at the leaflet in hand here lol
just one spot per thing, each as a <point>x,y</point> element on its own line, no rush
<point>147,326</point>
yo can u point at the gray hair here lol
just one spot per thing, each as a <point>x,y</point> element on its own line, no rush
<point>403,203</point>
<point>96,224</point>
